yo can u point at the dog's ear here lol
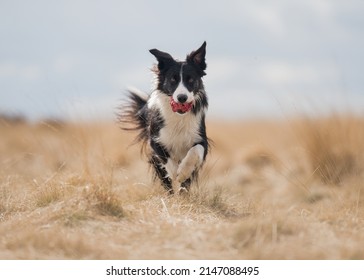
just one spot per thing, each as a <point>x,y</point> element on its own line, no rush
<point>198,58</point>
<point>162,57</point>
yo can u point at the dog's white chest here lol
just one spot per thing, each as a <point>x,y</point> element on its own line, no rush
<point>180,134</point>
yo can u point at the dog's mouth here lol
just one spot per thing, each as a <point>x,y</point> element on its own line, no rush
<point>180,108</point>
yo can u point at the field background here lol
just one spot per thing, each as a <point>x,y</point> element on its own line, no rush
<point>285,189</point>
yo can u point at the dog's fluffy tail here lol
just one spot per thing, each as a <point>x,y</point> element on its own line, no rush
<point>133,114</point>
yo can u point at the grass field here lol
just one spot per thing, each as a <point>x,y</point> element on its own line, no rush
<point>290,189</point>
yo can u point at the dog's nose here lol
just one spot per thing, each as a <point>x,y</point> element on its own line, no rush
<point>182,98</point>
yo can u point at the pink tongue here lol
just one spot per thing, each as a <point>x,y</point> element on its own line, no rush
<point>179,107</point>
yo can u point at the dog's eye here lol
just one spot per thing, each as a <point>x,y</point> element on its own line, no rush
<point>190,81</point>
<point>174,79</point>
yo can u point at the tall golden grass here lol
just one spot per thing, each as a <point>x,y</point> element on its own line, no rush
<point>269,190</point>
<point>334,147</point>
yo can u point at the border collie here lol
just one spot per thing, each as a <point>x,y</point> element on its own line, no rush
<point>171,120</point>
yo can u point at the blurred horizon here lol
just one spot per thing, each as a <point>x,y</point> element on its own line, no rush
<point>74,60</point>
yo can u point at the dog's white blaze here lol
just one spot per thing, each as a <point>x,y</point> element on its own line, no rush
<point>181,89</point>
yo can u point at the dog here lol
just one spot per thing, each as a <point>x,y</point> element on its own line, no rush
<point>171,120</point>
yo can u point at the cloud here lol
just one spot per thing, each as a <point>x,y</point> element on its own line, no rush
<point>135,76</point>
<point>91,108</point>
<point>64,63</point>
<point>222,69</point>
<point>8,70</point>
<point>247,72</point>
<point>23,72</point>
<point>283,72</point>
<point>267,17</point>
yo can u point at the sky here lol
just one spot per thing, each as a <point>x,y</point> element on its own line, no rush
<point>75,59</point>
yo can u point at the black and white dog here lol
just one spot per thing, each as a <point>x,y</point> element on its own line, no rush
<point>171,120</point>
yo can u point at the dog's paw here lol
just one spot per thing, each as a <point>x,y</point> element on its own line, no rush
<point>183,174</point>
<point>186,168</point>
<point>183,191</point>
<point>171,168</point>
<point>190,163</point>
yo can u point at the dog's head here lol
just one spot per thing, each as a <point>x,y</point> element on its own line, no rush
<point>181,81</point>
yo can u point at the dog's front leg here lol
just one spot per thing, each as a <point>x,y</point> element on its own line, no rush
<point>191,163</point>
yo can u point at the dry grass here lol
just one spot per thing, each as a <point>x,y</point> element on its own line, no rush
<point>269,190</point>
<point>334,147</point>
